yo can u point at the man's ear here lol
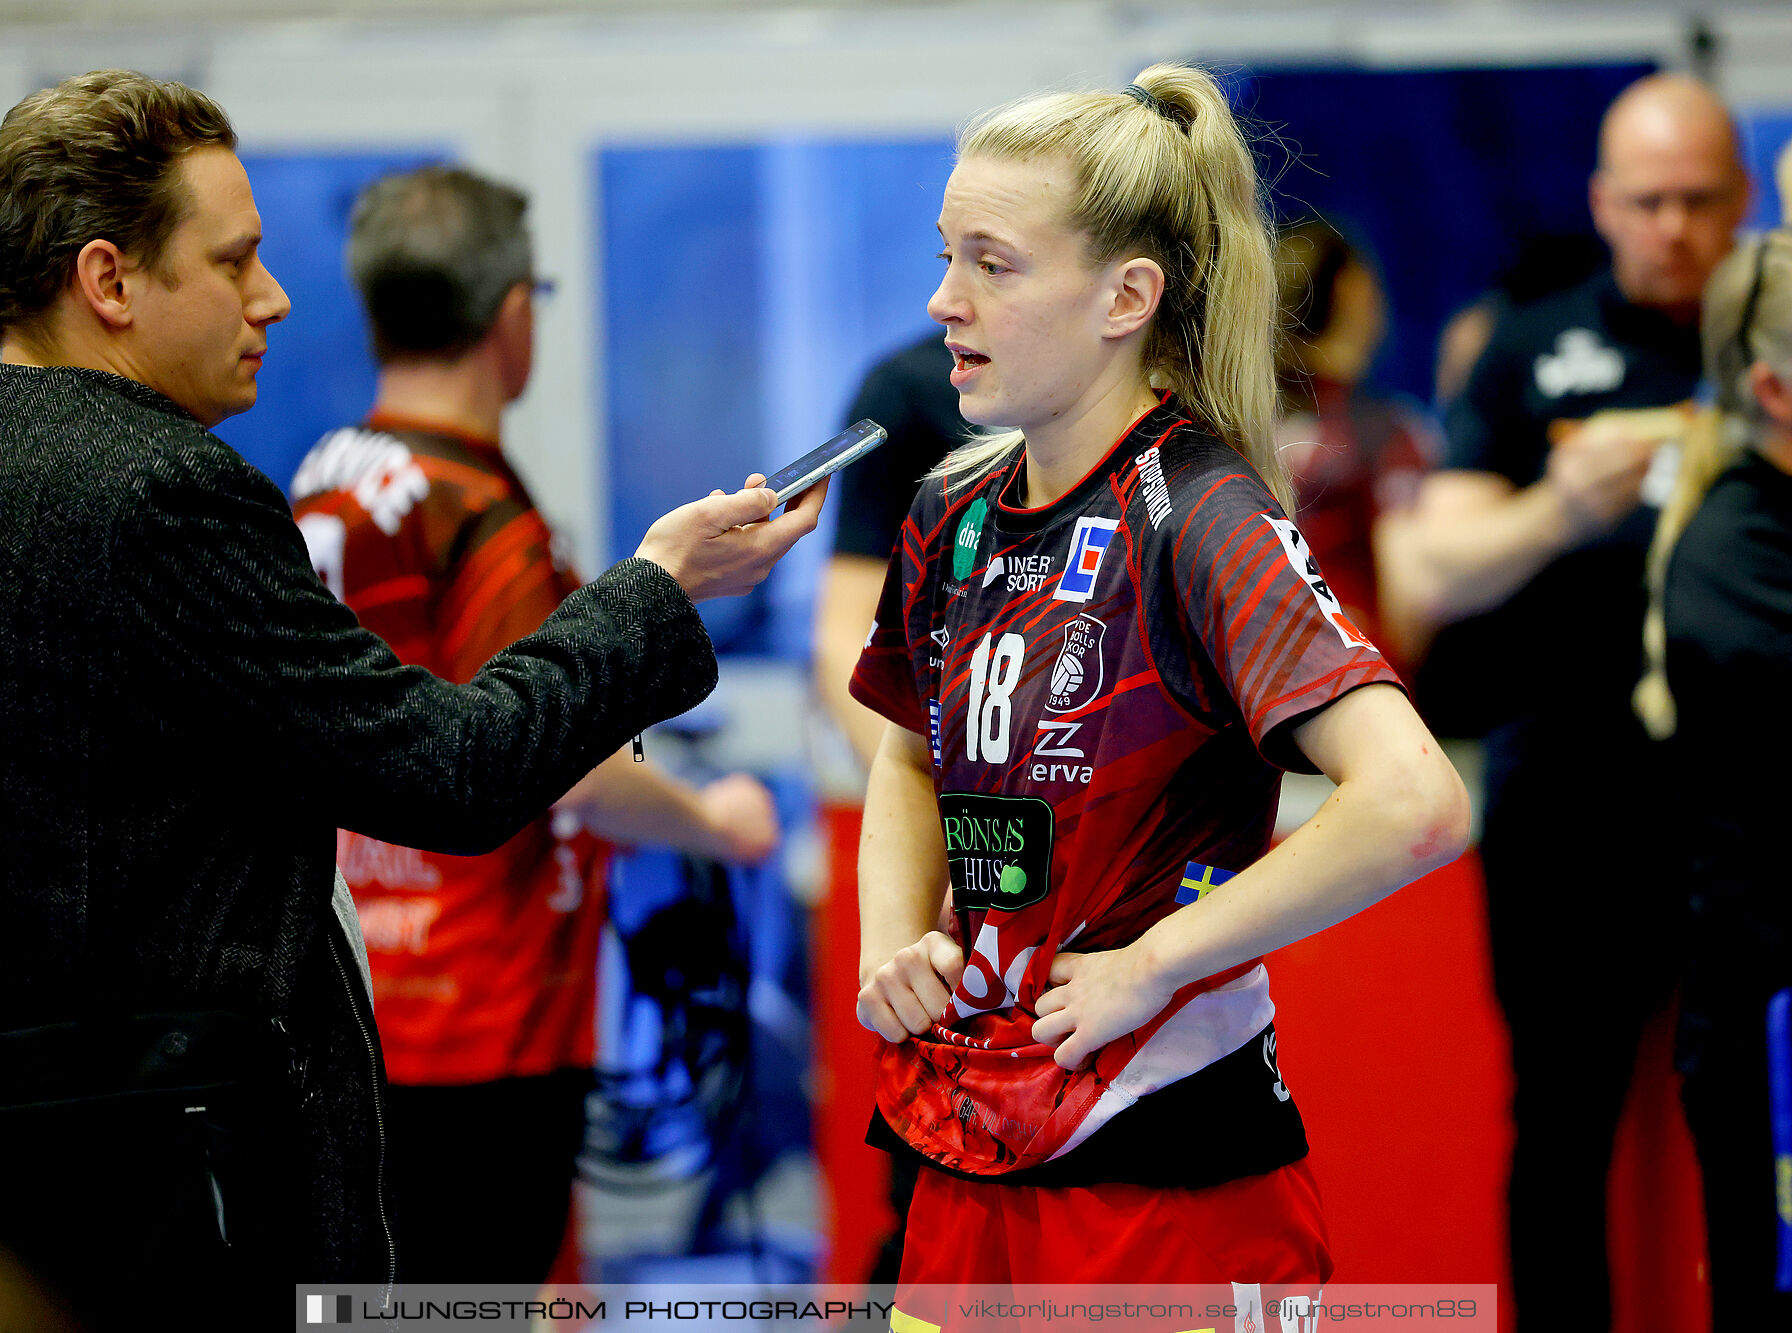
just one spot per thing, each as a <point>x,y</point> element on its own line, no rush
<point>1136,287</point>
<point>1774,392</point>
<point>512,337</point>
<point>103,280</point>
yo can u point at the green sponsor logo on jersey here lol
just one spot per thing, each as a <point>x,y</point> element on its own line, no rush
<point>998,849</point>
<point>969,538</point>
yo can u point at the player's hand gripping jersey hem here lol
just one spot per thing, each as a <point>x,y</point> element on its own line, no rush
<point>1232,1118</point>
<point>1108,685</point>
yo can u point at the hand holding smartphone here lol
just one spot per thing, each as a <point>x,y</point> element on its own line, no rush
<point>848,446</point>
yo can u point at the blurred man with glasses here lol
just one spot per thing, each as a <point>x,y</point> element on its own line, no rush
<point>484,968</point>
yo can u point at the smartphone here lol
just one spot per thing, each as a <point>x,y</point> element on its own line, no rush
<point>848,446</point>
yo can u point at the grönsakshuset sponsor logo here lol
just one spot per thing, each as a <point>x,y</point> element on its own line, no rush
<point>998,849</point>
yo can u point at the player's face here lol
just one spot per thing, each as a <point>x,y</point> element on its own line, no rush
<point>199,325</point>
<point>1668,201</point>
<point>1024,308</point>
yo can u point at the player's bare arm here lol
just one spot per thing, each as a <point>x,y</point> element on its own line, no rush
<point>1478,539</point>
<point>907,969</point>
<point>1399,812</point>
<point>731,819</point>
<point>844,606</point>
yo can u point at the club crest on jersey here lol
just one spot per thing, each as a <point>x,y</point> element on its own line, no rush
<point>1301,558</point>
<point>1077,675</point>
<point>968,539</point>
<point>1087,546</point>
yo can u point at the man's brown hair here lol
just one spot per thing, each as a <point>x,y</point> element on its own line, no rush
<point>93,158</point>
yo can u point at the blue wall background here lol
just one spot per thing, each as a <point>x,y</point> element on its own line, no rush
<point>1444,172</point>
<point>1764,135</point>
<point>745,292</point>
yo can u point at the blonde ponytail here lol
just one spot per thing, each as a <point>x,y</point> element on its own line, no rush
<point>1707,450</point>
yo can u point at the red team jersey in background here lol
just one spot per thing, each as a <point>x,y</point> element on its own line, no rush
<point>1107,684</point>
<point>484,967</point>
<point>1353,457</point>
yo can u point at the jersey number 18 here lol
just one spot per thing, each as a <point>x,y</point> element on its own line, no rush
<point>989,716</point>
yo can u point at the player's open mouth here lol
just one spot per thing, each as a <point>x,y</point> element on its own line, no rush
<point>965,364</point>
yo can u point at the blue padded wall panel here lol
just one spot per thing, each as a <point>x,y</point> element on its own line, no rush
<point>1765,135</point>
<point>680,294</point>
<point>745,291</point>
<point>1445,172</point>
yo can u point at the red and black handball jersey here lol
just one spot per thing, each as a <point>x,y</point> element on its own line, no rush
<point>1108,684</point>
<point>484,967</point>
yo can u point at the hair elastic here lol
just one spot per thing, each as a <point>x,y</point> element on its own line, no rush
<point>1157,104</point>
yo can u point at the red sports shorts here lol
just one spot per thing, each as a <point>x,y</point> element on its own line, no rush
<point>1264,1232</point>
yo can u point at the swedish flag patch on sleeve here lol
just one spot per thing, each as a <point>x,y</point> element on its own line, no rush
<point>1197,879</point>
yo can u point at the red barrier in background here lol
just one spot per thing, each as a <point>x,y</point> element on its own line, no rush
<point>855,1210</point>
<point>1390,1037</point>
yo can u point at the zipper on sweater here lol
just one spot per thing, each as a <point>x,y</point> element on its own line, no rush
<point>379,1120</point>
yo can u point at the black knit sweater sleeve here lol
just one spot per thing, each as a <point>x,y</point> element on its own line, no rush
<point>252,660</point>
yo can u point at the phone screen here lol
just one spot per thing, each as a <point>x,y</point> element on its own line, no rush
<point>848,446</point>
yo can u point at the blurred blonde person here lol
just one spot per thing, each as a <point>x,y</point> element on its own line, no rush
<point>1719,639</point>
<point>1539,521</point>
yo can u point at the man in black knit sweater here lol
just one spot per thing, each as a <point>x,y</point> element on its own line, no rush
<point>189,1073</point>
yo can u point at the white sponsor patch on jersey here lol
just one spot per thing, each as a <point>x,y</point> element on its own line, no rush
<point>1028,573</point>
<point>380,472</point>
<point>326,538</point>
<point>1581,364</point>
<point>1054,740</point>
<point>1301,558</point>
<point>1157,491</point>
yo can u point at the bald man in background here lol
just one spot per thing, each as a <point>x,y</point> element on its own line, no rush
<point>1538,524</point>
